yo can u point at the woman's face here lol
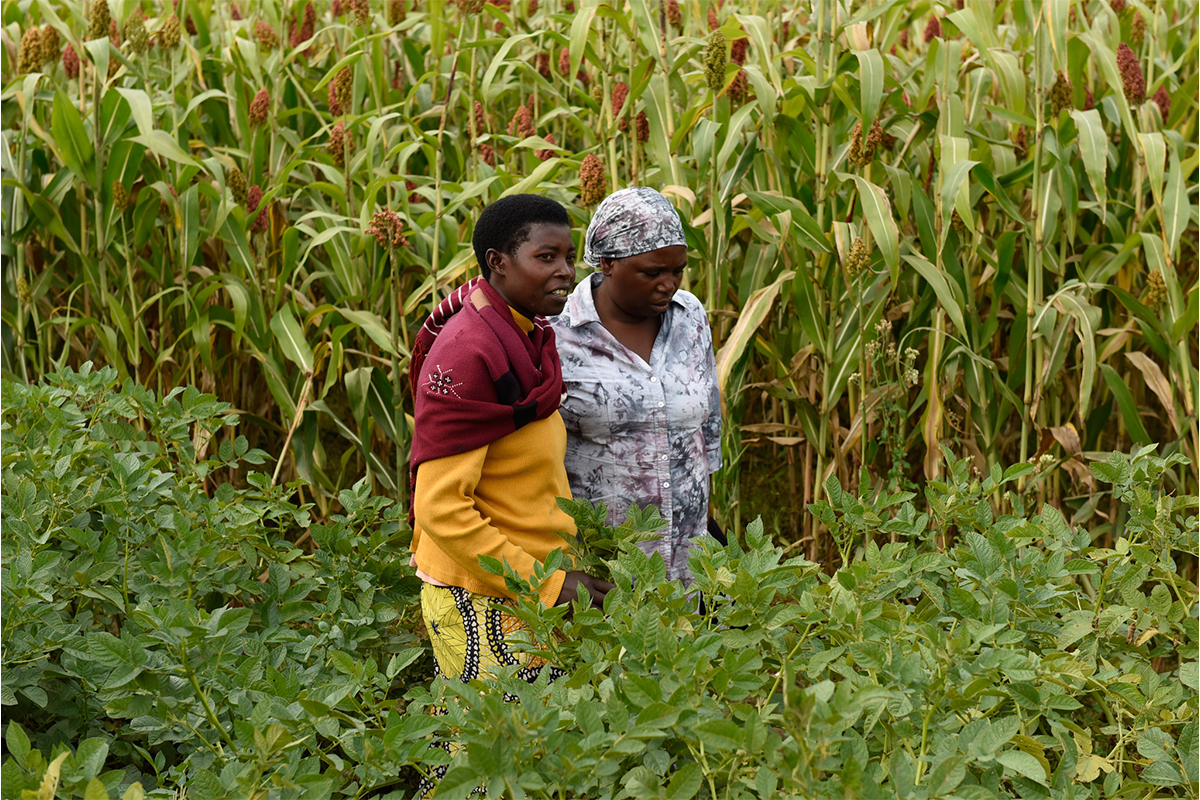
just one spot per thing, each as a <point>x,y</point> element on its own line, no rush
<point>538,278</point>
<point>642,286</point>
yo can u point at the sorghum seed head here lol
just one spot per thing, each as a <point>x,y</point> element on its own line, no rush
<point>135,29</point>
<point>29,55</point>
<point>362,12</point>
<point>564,62</point>
<point>98,19</point>
<point>169,35</point>
<point>235,13</point>
<point>396,12</point>
<point>1163,101</point>
<point>857,259</point>
<point>713,21</point>
<point>737,51</point>
<point>532,7</point>
<point>933,29</point>
<point>1118,5</point>
<point>120,197</point>
<point>308,27</point>
<point>266,35</point>
<point>388,229</point>
<point>542,61</point>
<point>546,154</point>
<point>597,93</point>
<point>956,222</point>
<point>189,25</point>
<point>470,6</point>
<point>343,87</point>
<point>740,86</point>
<point>398,76</point>
<point>714,61</point>
<point>236,180</point>
<point>49,44</point>
<point>522,123</point>
<point>337,8</point>
<point>70,61</point>
<point>1132,80</point>
<point>114,33</point>
<point>593,185</point>
<point>619,93</point>
<point>673,13</point>
<point>339,144</point>
<point>904,38</point>
<point>488,154</point>
<point>1137,29</point>
<point>253,198</point>
<point>23,293</point>
<point>260,108</point>
<point>335,105</point>
<point>1156,289</point>
<point>480,118</point>
<point>1089,102</point>
<point>643,127</point>
<point>1021,143</point>
<point>1062,95</point>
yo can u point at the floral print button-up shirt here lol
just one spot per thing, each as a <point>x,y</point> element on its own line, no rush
<point>637,432</point>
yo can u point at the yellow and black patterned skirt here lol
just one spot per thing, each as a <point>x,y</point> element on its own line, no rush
<point>470,634</point>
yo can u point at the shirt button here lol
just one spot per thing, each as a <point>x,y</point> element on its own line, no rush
<point>660,405</point>
<point>666,484</point>
<point>663,457</point>
<point>653,378</point>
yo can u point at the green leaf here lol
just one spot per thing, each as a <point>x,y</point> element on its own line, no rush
<point>18,742</point>
<point>71,137</point>
<point>95,790</point>
<point>720,734</point>
<point>1176,207</point>
<point>1129,410</point>
<point>752,315</point>
<point>1023,764</point>
<point>946,291</point>
<point>1093,146</point>
<point>163,144</point>
<point>882,222</point>
<point>946,776</point>
<point>290,337</point>
<point>870,84</point>
<point>685,783</point>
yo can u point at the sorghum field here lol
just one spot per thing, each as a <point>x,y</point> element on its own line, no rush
<point>949,250</point>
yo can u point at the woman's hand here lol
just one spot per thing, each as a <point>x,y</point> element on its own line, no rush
<point>595,587</point>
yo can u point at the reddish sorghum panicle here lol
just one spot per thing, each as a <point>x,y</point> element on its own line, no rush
<point>170,35</point>
<point>739,87</point>
<point>337,8</point>
<point>713,21</point>
<point>542,62</point>
<point>398,76</point>
<point>593,185</point>
<point>29,54</point>
<point>488,154</point>
<point>235,13</point>
<point>114,33</point>
<point>361,9</point>
<point>933,29</point>
<point>1021,143</point>
<point>714,61</point>
<point>260,108</point>
<point>411,186</point>
<point>564,62</point>
<point>1132,80</point>
<point>1118,5</point>
<point>335,105</point>
<point>308,28</point>
<point>522,123</point>
<point>1137,29</point>
<point>470,6</point>
<point>70,60</point>
<point>135,29</point>
<point>674,14</point>
<point>253,200</point>
<point>737,51</point>
<point>388,229</point>
<point>1061,95</point>
<point>904,38</point>
<point>1089,102</point>
<point>1163,101</point>
<point>532,7</point>
<point>480,118</point>
<point>98,19</point>
<point>189,25</point>
<point>643,127</point>
<point>238,187</point>
<point>339,144</point>
<point>546,154</point>
<point>569,6</point>
<point>266,35</point>
<point>619,93</point>
<point>396,12</point>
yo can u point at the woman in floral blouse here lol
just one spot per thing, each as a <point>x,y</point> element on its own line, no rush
<point>643,411</point>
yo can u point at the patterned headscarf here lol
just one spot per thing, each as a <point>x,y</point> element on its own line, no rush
<point>630,222</point>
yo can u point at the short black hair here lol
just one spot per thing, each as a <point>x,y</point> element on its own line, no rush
<point>504,225</point>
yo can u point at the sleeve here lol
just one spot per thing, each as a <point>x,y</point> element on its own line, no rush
<point>711,428</point>
<point>445,511</point>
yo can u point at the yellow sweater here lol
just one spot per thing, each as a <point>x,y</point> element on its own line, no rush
<point>497,500</point>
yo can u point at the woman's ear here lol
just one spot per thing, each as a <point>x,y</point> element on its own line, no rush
<point>496,261</point>
<point>606,266</point>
